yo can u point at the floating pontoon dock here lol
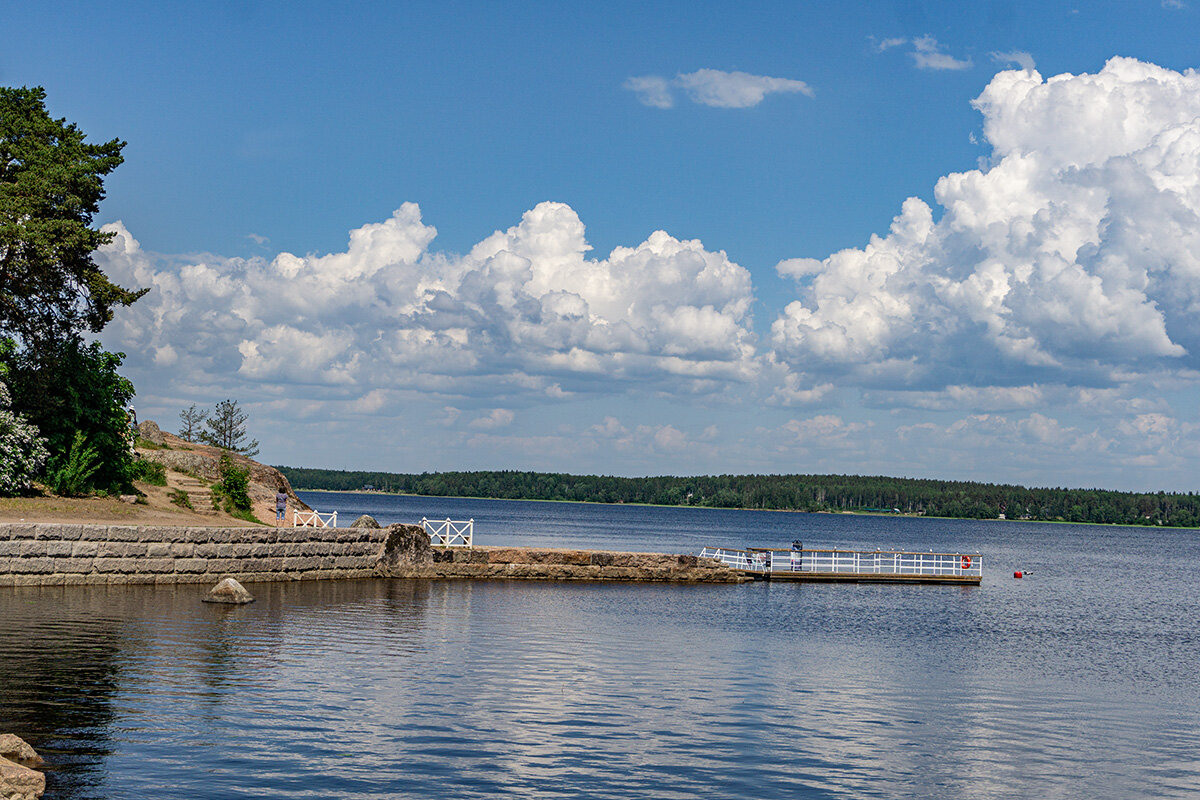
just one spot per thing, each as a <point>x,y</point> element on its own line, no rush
<point>852,566</point>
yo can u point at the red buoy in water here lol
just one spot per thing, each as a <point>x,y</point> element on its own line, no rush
<point>1017,574</point>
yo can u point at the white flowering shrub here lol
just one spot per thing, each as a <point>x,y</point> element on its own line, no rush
<point>22,450</point>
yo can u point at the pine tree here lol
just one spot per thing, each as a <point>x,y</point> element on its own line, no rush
<point>191,419</point>
<point>51,183</point>
<point>226,428</point>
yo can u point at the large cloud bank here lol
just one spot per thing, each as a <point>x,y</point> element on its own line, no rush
<point>524,312</point>
<point>1048,302</point>
<point>1072,257</point>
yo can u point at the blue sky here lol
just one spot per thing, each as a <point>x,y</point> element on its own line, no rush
<point>1027,316</point>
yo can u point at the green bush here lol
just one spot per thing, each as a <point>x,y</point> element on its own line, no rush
<point>75,389</point>
<point>233,486</point>
<point>232,492</point>
<point>150,472</point>
<point>71,475</point>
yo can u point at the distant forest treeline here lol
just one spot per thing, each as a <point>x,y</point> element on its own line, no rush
<point>958,499</point>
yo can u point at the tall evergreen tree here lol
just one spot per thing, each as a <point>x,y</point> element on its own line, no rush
<point>226,427</point>
<point>52,292</point>
<point>51,183</point>
<point>190,420</point>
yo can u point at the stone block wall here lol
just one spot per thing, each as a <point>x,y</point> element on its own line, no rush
<point>45,554</point>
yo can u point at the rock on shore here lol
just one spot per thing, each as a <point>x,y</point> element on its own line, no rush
<point>18,781</point>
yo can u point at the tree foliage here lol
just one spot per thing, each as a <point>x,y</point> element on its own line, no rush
<point>71,475</point>
<point>22,449</point>
<point>232,491</point>
<point>151,472</point>
<point>190,421</point>
<point>52,292</point>
<point>234,485</point>
<point>51,183</point>
<point>226,428</point>
<point>76,389</point>
<point>959,499</point>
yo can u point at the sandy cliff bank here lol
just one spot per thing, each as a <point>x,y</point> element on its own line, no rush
<point>192,469</point>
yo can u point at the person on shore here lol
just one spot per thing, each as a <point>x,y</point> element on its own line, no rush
<point>281,499</point>
<point>132,430</point>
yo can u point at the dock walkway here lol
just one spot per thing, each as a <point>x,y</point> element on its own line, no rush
<point>851,566</point>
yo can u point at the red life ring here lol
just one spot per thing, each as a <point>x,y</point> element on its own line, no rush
<point>966,562</point>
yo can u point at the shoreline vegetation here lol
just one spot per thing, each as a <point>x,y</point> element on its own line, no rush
<point>811,493</point>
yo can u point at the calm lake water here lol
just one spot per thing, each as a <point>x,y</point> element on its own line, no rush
<point>1077,681</point>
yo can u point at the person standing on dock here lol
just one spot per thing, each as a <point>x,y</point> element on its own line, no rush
<point>797,556</point>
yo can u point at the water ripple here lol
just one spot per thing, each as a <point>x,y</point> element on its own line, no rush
<point>1066,685</point>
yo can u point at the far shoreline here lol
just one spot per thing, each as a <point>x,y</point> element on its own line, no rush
<point>771,510</point>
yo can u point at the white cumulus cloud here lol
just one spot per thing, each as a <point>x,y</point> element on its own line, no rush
<point>822,429</point>
<point>888,44</point>
<point>1073,257</point>
<point>713,87</point>
<point>927,54</point>
<point>652,90</point>
<point>496,418</point>
<point>1019,57</point>
<point>526,313</point>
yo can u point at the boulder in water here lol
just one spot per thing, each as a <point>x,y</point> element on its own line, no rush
<point>14,748</point>
<point>365,521</point>
<point>405,548</point>
<point>228,590</point>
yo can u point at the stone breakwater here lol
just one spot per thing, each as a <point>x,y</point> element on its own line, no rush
<point>45,554</point>
<point>564,565</point>
<point>407,555</point>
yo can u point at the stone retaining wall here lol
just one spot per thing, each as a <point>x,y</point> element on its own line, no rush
<point>45,554</point>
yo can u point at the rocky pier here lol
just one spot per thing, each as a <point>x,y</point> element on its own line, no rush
<point>407,553</point>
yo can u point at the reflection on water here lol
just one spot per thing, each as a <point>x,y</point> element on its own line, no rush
<point>1077,682</point>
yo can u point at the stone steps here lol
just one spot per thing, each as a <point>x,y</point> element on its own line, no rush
<point>198,492</point>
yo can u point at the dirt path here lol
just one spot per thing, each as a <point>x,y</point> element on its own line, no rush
<point>108,510</point>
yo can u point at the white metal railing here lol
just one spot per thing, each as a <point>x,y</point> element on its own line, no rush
<point>738,559</point>
<point>448,533</point>
<point>850,562</point>
<point>313,519</point>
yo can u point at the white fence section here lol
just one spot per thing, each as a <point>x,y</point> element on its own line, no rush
<point>850,562</point>
<point>738,559</point>
<point>449,533</point>
<point>314,519</point>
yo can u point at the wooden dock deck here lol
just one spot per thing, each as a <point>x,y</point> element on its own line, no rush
<point>852,566</point>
